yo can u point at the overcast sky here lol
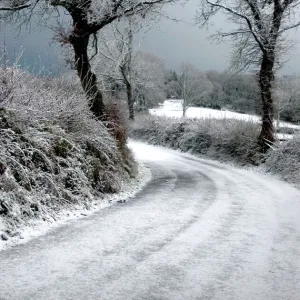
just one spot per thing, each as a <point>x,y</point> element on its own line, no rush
<point>173,41</point>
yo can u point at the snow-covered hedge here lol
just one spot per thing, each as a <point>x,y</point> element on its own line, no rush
<point>53,153</point>
<point>224,140</point>
<point>218,139</point>
<point>284,160</point>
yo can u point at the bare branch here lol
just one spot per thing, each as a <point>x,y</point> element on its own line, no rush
<point>15,8</point>
<point>289,27</point>
<point>140,7</point>
<point>241,16</point>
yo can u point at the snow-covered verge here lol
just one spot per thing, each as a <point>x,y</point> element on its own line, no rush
<point>224,140</point>
<point>54,156</point>
<point>36,227</point>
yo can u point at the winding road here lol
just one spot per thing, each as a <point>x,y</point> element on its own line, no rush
<point>198,230</point>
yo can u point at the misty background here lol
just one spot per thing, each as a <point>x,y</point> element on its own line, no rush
<point>173,41</point>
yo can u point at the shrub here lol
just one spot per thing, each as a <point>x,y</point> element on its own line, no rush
<point>224,140</point>
<point>53,152</point>
<point>219,139</point>
<point>118,127</point>
<point>285,160</point>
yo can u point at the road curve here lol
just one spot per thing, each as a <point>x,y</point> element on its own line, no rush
<point>199,230</point>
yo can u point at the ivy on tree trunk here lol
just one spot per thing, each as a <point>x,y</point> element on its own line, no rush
<point>266,77</point>
<point>87,78</point>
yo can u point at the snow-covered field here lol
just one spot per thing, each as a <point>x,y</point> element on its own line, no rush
<point>173,108</point>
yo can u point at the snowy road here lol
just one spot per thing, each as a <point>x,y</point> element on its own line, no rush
<point>199,230</point>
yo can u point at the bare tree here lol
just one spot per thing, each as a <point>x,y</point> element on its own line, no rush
<point>194,85</point>
<point>149,80</point>
<point>125,64</point>
<point>116,53</point>
<point>259,38</point>
<point>88,17</point>
<point>286,93</point>
<point>126,67</point>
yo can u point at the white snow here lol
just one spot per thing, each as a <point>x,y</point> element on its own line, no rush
<point>284,137</point>
<point>143,152</point>
<point>201,230</point>
<point>173,108</point>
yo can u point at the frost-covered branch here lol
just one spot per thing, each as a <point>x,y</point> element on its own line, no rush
<point>119,60</point>
<point>88,19</point>
<point>15,8</point>
<point>194,85</point>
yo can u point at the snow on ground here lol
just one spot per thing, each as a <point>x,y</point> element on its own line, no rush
<point>199,230</point>
<point>37,228</point>
<point>173,108</point>
<point>284,137</point>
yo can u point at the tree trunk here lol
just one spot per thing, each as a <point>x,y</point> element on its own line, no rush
<point>125,71</point>
<point>87,78</point>
<point>266,77</point>
<point>278,119</point>
<point>184,97</point>
<point>130,100</point>
<point>184,108</point>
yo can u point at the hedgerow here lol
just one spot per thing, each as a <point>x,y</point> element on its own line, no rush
<point>225,140</point>
<point>53,153</point>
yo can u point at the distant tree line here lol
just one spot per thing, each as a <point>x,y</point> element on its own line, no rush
<point>259,36</point>
<point>240,92</point>
<point>237,92</point>
<point>151,84</point>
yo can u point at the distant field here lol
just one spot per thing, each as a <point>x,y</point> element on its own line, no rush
<point>173,108</point>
